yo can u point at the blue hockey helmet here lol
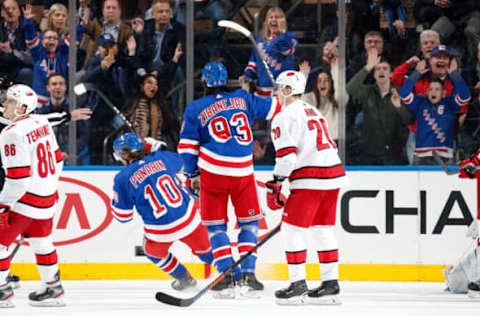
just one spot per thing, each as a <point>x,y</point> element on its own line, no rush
<point>131,141</point>
<point>214,74</point>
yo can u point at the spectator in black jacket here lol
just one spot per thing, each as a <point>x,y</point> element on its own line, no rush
<point>452,19</point>
<point>108,70</point>
<point>58,104</point>
<point>15,59</point>
<point>161,48</point>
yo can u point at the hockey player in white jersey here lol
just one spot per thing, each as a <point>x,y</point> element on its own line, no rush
<point>32,162</point>
<point>306,155</point>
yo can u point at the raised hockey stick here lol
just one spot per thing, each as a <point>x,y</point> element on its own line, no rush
<point>82,88</point>
<point>241,29</point>
<point>184,302</point>
<point>442,164</point>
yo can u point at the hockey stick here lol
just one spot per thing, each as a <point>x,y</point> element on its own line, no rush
<point>442,164</point>
<point>239,28</point>
<point>17,246</point>
<point>184,302</point>
<point>82,88</point>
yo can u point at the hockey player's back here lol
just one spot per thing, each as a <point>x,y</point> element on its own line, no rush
<point>316,153</point>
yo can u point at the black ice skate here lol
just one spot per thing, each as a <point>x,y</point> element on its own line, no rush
<point>13,280</point>
<point>6,294</point>
<point>325,294</point>
<point>474,290</point>
<point>50,294</point>
<point>294,294</point>
<point>225,288</point>
<point>249,285</point>
<point>184,283</point>
<point>249,279</point>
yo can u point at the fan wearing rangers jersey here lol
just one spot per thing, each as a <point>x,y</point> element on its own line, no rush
<point>216,140</point>
<point>33,162</point>
<point>149,183</point>
<point>278,49</point>
<point>436,113</point>
<point>307,156</point>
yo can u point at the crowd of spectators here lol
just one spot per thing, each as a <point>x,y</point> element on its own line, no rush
<point>136,60</point>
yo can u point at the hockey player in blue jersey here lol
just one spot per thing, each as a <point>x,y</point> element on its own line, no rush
<point>149,183</point>
<point>216,140</point>
<point>435,113</point>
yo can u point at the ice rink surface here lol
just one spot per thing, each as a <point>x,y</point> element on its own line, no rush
<point>121,298</point>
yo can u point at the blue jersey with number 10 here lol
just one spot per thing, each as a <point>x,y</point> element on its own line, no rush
<point>149,184</point>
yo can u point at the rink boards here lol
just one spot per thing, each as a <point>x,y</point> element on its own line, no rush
<point>392,225</point>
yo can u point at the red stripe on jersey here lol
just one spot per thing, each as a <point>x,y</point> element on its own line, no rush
<point>263,93</point>
<point>244,248</point>
<point>328,256</point>
<point>47,260</point>
<point>32,42</point>
<point>5,264</point>
<point>122,215</point>
<point>187,146</point>
<point>222,163</point>
<point>429,150</point>
<point>58,155</point>
<point>18,172</point>
<point>278,107</point>
<point>296,257</point>
<point>285,151</point>
<point>39,201</point>
<point>252,67</point>
<point>222,253</point>
<point>318,172</point>
<point>173,229</point>
<point>171,266</point>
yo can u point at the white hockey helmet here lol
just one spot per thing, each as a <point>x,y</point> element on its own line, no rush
<point>293,79</point>
<point>24,96</point>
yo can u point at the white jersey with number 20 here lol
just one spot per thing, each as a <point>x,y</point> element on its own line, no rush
<point>304,151</point>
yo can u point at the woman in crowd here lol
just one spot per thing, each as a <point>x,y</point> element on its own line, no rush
<point>278,47</point>
<point>151,115</point>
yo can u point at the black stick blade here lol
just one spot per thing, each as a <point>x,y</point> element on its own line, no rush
<point>171,300</point>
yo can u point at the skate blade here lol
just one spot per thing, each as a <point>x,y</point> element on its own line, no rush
<point>51,302</point>
<point>224,294</point>
<point>296,300</point>
<point>14,285</point>
<point>7,303</point>
<point>247,292</point>
<point>474,295</point>
<point>325,300</point>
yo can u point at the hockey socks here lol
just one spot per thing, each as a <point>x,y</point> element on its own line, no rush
<point>206,258</point>
<point>327,251</point>
<point>247,239</point>
<point>222,252</point>
<point>170,265</point>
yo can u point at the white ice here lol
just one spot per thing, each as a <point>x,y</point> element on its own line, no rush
<point>121,298</point>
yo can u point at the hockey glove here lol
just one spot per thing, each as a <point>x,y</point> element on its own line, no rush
<point>4,210</point>
<point>154,145</point>
<point>273,195</point>
<point>193,182</point>
<point>467,169</point>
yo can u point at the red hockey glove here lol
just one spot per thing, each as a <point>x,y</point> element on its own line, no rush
<point>466,169</point>
<point>273,195</point>
<point>4,216</point>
